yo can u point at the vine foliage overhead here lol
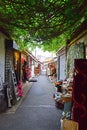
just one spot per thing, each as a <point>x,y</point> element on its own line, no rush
<point>42,22</point>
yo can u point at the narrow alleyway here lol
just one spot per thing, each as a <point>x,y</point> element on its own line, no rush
<point>37,111</point>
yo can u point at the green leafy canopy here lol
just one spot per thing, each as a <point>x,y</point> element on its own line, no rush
<point>43,23</point>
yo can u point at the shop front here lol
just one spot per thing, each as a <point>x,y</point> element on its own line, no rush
<point>52,70</point>
<point>12,59</point>
<point>12,72</point>
<point>26,62</point>
<point>77,72</point>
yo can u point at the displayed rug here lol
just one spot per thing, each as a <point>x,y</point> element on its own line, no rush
<point>79,94</point>
<point>33,80</point>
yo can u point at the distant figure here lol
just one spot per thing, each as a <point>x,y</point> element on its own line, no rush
<point>24,68</point>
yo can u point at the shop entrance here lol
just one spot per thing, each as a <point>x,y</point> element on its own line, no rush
<point>17,65</point>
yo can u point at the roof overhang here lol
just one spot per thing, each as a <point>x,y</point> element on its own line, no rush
<point>81,31</point>
<point>32,56</point>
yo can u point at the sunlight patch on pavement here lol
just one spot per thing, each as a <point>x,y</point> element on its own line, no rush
<point>38,106</point>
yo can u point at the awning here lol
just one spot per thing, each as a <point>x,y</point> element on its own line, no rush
<point>33,57</point>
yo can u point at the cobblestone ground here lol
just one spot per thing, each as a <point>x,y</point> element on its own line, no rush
<point>37,111</point>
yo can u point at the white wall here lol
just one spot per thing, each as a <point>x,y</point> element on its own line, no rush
<point>32,71</point>
<point>62,67</point>
<point>2,56</point>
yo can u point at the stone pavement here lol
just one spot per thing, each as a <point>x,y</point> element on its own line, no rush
<point>36,112</point>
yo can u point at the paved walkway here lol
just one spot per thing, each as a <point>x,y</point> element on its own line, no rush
<point>36,112</point>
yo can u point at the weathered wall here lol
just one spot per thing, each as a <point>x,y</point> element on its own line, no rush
<point>75,51</point>
<point>2,55</point>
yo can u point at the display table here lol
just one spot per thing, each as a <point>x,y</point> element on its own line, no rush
<point>67,97</point>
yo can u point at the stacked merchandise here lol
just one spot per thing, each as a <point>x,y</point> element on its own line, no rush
<point>63,99</point>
